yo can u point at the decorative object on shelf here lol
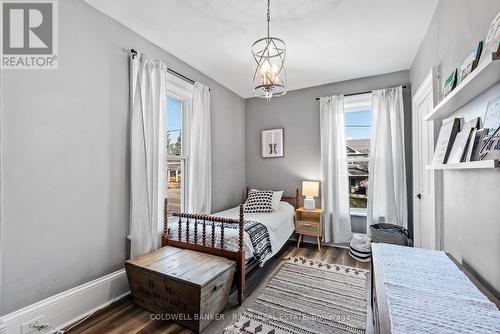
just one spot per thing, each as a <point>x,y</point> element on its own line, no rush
<point>470,62</point>
<point>459,149</point>
<point>492,41</point>
<point>269,78</point>
<point>272,143</point>
<point>478,137</point>
<point>310,189</point>
<point>450,83</point>
<point>491,147</point>
<point>445,141</point>
<point>463,142</point>
<point>492,117</point>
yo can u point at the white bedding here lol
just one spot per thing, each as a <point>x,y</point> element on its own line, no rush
<point>280,225</point>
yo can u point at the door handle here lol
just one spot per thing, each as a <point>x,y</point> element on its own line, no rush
<point>419,196</point>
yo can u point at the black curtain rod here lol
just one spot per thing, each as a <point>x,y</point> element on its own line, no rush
<point>171,71</point>
<point>353,94</point>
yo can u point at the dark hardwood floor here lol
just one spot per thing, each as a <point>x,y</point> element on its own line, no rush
<point>124,317</point>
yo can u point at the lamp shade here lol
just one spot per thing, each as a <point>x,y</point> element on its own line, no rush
<point>310,188</point>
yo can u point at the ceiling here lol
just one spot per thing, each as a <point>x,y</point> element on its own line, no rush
<point>327,40</point>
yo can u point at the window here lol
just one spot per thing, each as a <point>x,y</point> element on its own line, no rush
<point>358,133</point>
<point>176,158</point>
<point>179,97</point>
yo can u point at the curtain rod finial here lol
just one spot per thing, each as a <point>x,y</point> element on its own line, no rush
<point>134,53</point>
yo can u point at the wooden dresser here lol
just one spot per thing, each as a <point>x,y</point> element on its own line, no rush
<point>187,287</point>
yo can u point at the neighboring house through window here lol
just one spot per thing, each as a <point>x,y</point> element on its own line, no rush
<point>179,94</point>
<point>357,113</point>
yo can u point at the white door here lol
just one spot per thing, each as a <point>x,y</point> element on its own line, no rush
<point>426,219</point>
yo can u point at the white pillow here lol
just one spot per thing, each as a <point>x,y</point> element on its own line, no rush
<point>276,198</point>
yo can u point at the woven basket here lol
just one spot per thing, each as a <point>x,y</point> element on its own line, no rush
<point>390,234</point>
<point>360,248</point>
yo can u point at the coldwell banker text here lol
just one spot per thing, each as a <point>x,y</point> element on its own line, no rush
<point>29,34</point>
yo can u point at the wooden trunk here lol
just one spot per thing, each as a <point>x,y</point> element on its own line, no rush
<point>184,286</point>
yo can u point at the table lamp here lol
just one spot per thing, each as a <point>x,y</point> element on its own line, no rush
<point>310,189</point>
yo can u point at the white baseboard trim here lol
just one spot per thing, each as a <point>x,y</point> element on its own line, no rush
<point>3,328</point>
<point>69,306</point>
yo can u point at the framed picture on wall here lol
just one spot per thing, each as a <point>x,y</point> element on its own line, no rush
<point>272,143</point>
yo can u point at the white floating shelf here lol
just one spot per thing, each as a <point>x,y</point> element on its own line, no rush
<point>484,164</point>
<point>483,77</point>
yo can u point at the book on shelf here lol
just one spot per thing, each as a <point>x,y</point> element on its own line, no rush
<point>473,123</point>
<point>470,145</point>
<point>491,150</point>
<point>492,117</point>
<point>446,137</point>
<point>459,149</point>
<point>450,83</point>
<point>470,62</point>
<point>476,141</point>
<point>463,141</point>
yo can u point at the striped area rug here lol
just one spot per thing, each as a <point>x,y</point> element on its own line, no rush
<point>308,297</point>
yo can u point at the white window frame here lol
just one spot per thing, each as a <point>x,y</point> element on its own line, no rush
<point>181,90</point>
<point>357,103</point>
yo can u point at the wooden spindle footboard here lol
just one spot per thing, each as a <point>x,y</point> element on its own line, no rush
<point>188,243</point>
<point>209,246</point>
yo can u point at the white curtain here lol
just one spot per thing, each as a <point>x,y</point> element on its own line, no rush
<point>334,178</point>
<point>198,150</point>
<point>387,187</point>
<point>148,161</point>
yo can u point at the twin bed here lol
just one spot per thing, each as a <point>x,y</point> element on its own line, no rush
<point>250,239</point>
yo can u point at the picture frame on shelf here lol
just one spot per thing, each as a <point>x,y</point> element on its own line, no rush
<point>272,143</point>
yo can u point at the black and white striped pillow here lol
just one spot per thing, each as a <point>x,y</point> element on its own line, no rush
<point>259,201</point>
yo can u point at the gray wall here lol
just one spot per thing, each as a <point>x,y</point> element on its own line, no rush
<point>65,175</point>
<point>471,211</point>
<point>456,27</point>
<point>298,113</point>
